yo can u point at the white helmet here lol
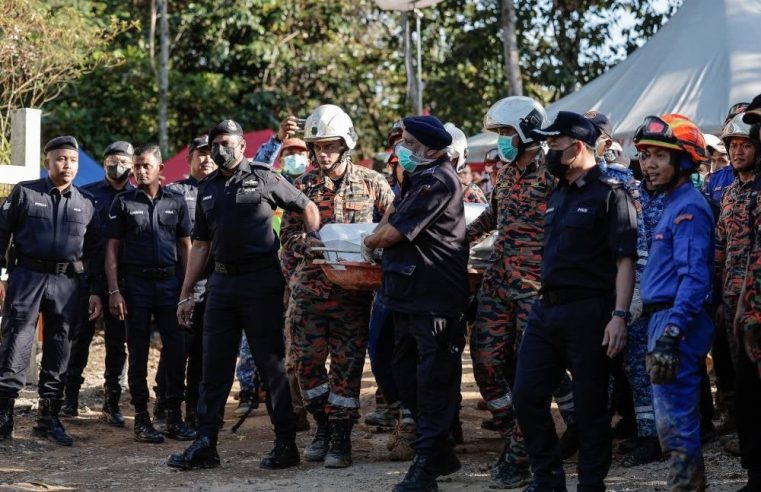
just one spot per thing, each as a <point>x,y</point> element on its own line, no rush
<point>329,122</point>
<point>522,113</point>
<point>735,128</point>
<point>459,147</point>
<point>714,143</point>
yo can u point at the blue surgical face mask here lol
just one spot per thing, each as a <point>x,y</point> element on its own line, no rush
<point>507,151</point>
<point>408,160</point>
<point>295,164</point>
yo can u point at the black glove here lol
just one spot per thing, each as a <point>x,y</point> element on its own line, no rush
<point>663,362</point>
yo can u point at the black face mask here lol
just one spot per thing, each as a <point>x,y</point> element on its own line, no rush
<point>118,172</point>
<point>554,164</point>
<point>223,156</point>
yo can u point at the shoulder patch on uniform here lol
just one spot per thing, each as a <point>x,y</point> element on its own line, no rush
<point>682,218</point>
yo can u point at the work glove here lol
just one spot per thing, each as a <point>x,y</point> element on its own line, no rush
<point>662,362</point>
<point>370,255</point>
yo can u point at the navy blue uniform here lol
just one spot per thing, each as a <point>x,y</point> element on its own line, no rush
<point>53,232</point>
<point>425,288</point>
<point>678,279</point>
<point>245,292</point>
<point>588,225</point>
<point>149,231</point>
<point>114,335</point>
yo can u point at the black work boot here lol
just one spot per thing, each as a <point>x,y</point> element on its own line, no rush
<point>646,450</point>
<point>339,454</point>
<point>70,407</point>
<point>6,418</point>
<point>507,474</point>
<point>144,430</point>
<point>285,454</point>
<point>318,448</point>
<point>48,424</point>
<point>111,413</point>
<point>176,428</point>
<point>754,482</point>
<point>202,453</point>
<point>446,461</point>
<point>159,414</point>
<point>421,476</point>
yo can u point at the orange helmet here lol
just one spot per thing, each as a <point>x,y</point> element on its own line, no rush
<point>293,143</point>
<point>672,131</point>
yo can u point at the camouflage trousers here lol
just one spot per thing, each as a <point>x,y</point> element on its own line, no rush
<point>335,327</point>
<point>639,381</point>
<point>729,305</point>
<point>245,371</point>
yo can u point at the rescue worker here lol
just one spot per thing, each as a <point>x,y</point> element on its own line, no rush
<point>676,285</point>
<point>117,161</point>
<point>55,230</point>
<point>148,237</point>
<point>719,180</point>
<point>580,321</point>
<point>458,152</point>
<point>245,292</point>
<point>425,287</point>
<point>324,318</point>
<point>512,279</point>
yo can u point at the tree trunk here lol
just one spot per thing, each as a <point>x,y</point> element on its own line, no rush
<point>409,66</point>
<point>163,75</point>
<point>510,48</point>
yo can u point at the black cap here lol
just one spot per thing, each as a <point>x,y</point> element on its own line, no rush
<point>600,121</point>
<point>64,142</point>
<point>429,131</point>
<point>225,127</point>
<point>571,125</point>
<point>753,111</point>
<point>119,147</point>
<point>201,142</point>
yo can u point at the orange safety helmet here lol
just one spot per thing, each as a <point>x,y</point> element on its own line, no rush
<point>675,132</point>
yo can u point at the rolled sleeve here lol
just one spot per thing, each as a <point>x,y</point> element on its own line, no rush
<point>622,224</point>
<point>419,209</point>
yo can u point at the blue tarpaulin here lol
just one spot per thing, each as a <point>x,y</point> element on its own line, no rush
<point>90,170</point>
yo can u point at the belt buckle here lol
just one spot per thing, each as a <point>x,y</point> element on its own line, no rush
<point>61,268</point>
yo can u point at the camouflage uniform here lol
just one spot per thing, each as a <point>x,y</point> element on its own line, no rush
<point>245,371</point>
<point>324,318</point>
<point>473,194</point>
<point>510,286</point>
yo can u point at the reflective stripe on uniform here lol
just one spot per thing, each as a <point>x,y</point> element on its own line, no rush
<point>500,403</point>
<point>316,392</point>
<point>343,401</point>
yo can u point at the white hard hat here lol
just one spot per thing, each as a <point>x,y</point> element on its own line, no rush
<point>329,122</point>
<point>735,128</point>
<point>715,143</point>
<point>459,147</point>
<point>522,113</point>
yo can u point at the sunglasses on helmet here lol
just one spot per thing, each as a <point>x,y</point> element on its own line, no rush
<point>654,128</point>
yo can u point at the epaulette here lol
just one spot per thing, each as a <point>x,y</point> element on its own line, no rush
<point>260,165</point>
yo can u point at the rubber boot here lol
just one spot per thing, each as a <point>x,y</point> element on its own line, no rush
<point>48,424</point>
<point>339,454</point>
<point>318,448</point>
<point>159,414</point>
<point>202,453</point>
<point>421,476</point>
<point>70,407</point>
<point>111,413</point>
<point>6,418</point>
<point>144,430</point>
<point>176,428</point>
<point>285,454</point>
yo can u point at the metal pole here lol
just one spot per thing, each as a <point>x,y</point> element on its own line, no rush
<point>418,15</point>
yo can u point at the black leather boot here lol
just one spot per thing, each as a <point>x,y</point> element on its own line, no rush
<point>318,448</point>
<point>201,454</point>
<point>144,430</point>
<point>339,454</point>
<point>111,413</point>
<point>70,407</point>
<point>176,428</point>
<point>421,476</point>
<point>285,454</point>
<point>6,418</point>
<point>48,424</point>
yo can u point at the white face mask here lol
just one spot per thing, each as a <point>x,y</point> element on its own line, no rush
<point>295,164</point>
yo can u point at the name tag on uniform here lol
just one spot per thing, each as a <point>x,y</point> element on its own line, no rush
<point>38,204</point>
<point>355,205</point>
<point>77,209</point>
<point>207,197</point>
<point>583,210</point>
<point>169,212</point>
<point>550,210</point>
<point>137,212</point>
<point>658,237</point>
<point>250,182</point>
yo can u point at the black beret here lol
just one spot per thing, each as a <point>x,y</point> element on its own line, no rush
<point>600,121</point>
<point>65,142</point>
<point>753,111</point>
<point>119,147</point>
<point>201,142</point>
<point>225,127</point>
<point>429,131</point>
<point>571,125</point>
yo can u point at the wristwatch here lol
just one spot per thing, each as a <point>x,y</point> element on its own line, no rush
<point>626,315</point>
<point>672,331</point>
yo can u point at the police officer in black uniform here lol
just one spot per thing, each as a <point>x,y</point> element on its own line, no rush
<point>234,224</point>
<point>425,256</point>
<point>201,165</point>
<point>55,230</point>
<point>579,323</point>
<point>151,223</point>
<point>117,161</point>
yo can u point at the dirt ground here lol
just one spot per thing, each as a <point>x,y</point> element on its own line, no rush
<point>107,458</point>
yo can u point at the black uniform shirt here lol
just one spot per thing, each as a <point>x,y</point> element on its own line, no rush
<point>587,226</point>
<point>103,195</point>
<point>148,229</point>
<point>47,224</point>
<point>188,188</point>
<point>235,212</point>
<point>426,272</point>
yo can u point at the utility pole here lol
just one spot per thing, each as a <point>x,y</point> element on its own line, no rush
<point>510,49</point>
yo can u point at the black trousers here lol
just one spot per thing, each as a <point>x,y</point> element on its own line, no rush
<point>427,366</point>
<point>747,405</point>
<point>30,293</point>
<point>252,303</point>
<point>722,364</point>
<point>558,338</point>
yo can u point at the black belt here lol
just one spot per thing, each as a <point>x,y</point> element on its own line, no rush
<point>152,273</point>
<point>566,296</point>
<point>247,267</point>
<point>70,268</point>
<point>650,309</point>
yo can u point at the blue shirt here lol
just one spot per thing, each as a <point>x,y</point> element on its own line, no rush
<point>268,151</point>
<point>717,182</point>
<point>652,209</point>
<point>681,257</point>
